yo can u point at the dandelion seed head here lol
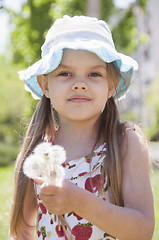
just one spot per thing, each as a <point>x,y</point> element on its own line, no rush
<point>46,162</point>
<point>31,167</point>
<point>57,154</point>
<point>43,148</point>
<point>57,175</point>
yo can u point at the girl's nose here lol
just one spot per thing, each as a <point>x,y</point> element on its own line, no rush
<point>79,85</point>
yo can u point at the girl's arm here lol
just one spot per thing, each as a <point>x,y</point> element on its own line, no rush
<point>30,212</point>
<point>134,221</point>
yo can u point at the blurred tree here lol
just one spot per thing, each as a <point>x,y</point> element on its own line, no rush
<point>14,104</point>
<point>36,17</point>
<point>94,8</point>
<point>107,9</point>
<point>142,4</point>
<point>152,103</point>
<point>29,28</point>
<point>125,33</point>
<point>32,23</point>
<point>1,4</point>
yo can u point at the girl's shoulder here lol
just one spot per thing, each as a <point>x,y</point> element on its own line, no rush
<point>136,145</point>
<point>136,186</point>
<point>134,132</point>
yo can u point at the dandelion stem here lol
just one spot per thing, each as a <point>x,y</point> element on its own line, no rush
<point>66,223</point>
<point>64,229</point>
<point>59,225</point>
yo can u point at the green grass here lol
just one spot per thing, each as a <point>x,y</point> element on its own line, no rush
<point>6,193</point>
<point>155,189</point>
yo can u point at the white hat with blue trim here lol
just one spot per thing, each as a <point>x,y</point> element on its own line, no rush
<point>82,33</point>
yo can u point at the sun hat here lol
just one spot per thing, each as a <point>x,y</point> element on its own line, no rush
<point>82,33</point>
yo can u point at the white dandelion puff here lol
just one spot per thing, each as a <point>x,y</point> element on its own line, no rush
<point>45,162</point>
<point>43,148</point>
<point>32,167</point>
<point>56,175</point>
<point>57,154</point>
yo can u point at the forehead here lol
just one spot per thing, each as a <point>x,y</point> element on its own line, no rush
<point>71,56</point>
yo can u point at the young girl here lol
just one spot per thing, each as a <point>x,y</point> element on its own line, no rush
<point>106,193</point>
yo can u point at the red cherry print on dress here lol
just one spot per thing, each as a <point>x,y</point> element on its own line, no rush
<point>81,174</point>
<point>72,166</point>
<point>88,160</point>
<point>82,231</point>
<point>92,184</point>
<point>38,197</point>
<point>43,209</point>
<point>51,221</point>
<point>77,216</point>
<point>64,165</point>
<point>38,233</point>
<point>60,233</point>
<point>100,153</point>
<point>39,217</point>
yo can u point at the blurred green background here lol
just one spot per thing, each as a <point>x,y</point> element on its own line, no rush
<point>28,28</point>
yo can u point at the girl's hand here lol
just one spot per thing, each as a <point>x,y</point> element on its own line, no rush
<point>58,200</point>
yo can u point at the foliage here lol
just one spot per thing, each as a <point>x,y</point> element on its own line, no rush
<point>125,33</point>
<point>69,7</point>
<point>128,116</point>
<point>6,186</point>
<point>153,106</point>
<point>107,9</point>
<point>14,103</point>
<point>8,153</point>
<point>30,25</point>
<point>142,4</point>
<point>155,190</point>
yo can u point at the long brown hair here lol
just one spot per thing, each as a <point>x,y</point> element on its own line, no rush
<point>113,132</point>
<point>42,124</point>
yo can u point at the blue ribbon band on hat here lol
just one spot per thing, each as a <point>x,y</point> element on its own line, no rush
<point>78,33</point>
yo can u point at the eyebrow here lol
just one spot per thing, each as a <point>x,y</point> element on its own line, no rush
<point>92,67</point>
<point>64,65</point>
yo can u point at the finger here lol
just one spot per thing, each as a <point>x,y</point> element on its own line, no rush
<point>39,180</point>
<point>48,189</point>
<point>46,199</point>
<point>52,205</point>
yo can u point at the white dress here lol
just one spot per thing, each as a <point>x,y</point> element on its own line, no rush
<point>86,173</point>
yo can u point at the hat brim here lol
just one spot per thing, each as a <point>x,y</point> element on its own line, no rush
<point>51,61</point>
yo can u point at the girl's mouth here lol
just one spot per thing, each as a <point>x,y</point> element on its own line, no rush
<point>79,99</point>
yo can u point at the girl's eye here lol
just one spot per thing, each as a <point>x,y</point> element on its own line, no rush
<point>95,74</point>
<point>64,74</point>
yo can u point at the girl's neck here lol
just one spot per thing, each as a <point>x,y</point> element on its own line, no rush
<point>78,139</point>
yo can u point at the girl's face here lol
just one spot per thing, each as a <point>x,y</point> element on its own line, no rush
<point>78,88</point>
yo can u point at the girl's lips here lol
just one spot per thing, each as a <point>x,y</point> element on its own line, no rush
<point>79,99</point>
